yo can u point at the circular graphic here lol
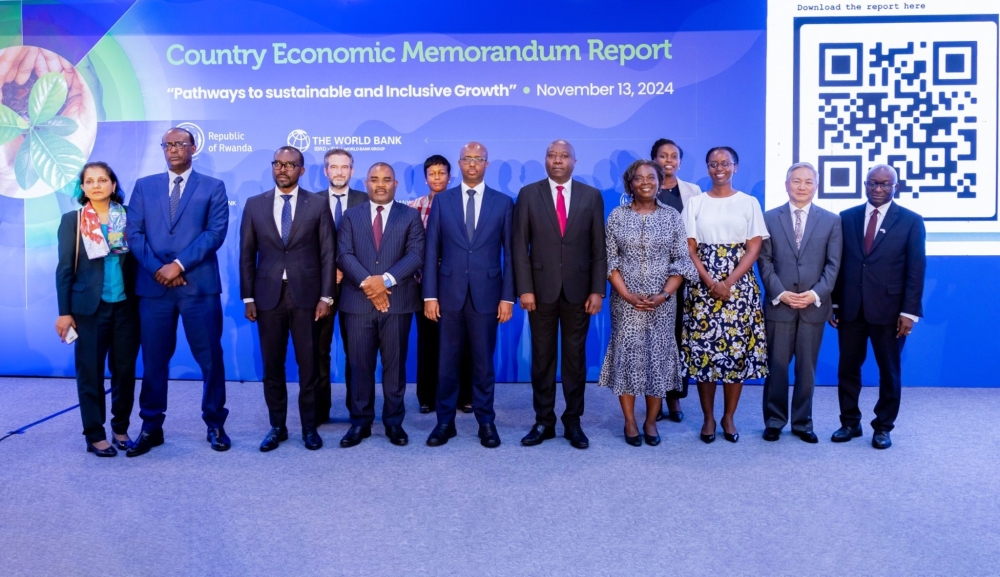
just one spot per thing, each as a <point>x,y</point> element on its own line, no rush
<point>199,136</point>
<point>299,139</point>
<point>48,122</point>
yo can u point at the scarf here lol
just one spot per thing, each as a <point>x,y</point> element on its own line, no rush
<point>93,238</point>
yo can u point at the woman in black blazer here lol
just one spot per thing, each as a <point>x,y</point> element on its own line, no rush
<point>95,284</point>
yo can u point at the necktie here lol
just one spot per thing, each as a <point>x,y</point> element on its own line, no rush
<point>561,210</point>
<point>286,218</point>
<point>338,211</point>
<point>470,214</point>
<point>870,231</point>
<point>798,228</point>
<point>377,227</point>
<point>175,196</point>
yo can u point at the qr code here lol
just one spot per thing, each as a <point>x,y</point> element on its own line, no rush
<point>917,94</point>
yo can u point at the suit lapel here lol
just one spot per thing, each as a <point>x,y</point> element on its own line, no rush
<point>545,192</point>
<point>389,226</point>
<point>890,219</point>
<point>815,214</point>
<point>458,208</point>
<point>190,189</point>
<point>859,229</point>
<point>164,199</point>
<point>574,207</point>
<point>485,212</point>
<point>784,215</point>
<point>301,206</point>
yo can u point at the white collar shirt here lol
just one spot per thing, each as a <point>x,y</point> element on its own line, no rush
<point>477,199</point>
<point>881,216</point>
<point>186,175</point>
<point>567,189</point>
<point>385,212</point>
<point>805,214</point>
<point>338,198</point>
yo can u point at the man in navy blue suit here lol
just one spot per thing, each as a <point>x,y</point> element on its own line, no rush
<point>380,246</point>
<point>468,288</point>
<point>878,297</point>
<point>177,221</point>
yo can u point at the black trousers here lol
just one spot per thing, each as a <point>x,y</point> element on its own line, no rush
<point>323,386</point>
<point>853,337</point>
<point>274,326</point>
<point>546,322</point>
<point>428,350</point>
<point>110,334</point>
<point>370,335</point>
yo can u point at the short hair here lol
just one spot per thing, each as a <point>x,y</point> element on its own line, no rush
<point>799,165</point>
<point>736,157</point>
<point>663,142</point>
<point>116,196</point>
<point>302,158</point>
<point>340,151</point>
<point>185,131</point>
<point>434,160</point>
<point>634,168</point>
<point>895,175</point>
<point>385,164</point>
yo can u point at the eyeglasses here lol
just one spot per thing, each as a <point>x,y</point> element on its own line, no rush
<point>166,145</point>
<point>878,185</point>
<point>723,164</point>
<point>278,165</point>
<point>641,179</point>
<point>472,160</point>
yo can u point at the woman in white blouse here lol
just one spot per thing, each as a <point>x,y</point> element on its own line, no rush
<point>723,321</point>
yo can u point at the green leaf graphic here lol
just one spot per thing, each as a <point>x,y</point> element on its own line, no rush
<point>61,125</point>
<point>47,96</point>
<point>25,173</point>
<point>11,124</point>
<point>56,160</point>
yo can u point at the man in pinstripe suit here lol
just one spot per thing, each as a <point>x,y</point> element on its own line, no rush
<point>380,245</point>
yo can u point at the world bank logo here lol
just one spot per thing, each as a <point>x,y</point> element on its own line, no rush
<point>199,136</point>
<point>298,138</point>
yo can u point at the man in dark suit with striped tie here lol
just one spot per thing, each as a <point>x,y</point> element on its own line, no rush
<point>878,297</point>
<point>287,271</point>
<point>380,246</point>
<point>338,167</point>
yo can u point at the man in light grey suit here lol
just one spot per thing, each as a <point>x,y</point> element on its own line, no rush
<point>799,266</point>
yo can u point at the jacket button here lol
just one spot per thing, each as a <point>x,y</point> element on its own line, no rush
<point>376,262</point>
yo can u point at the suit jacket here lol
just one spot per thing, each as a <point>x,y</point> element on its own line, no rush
<point>813,266</point>
<point>890,279</point>
<point>80,293</point>
<point>547,263</point>
<point>194,235</point>
<point>354,198</point>
<point>400,254</point>
<point>482,265</point>
<point>308,257</point>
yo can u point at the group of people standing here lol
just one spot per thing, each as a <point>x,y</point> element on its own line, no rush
<point>685,302</point>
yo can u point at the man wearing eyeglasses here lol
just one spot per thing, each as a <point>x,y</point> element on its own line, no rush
<point>176,222</point>
<point>877,297</point>
<point>287,279</point>
<point>468,288</point>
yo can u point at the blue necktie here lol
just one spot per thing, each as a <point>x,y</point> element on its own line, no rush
<point>337,212</point>
<point>470,214</point>
<point>286,218</point>
<point>175,196</point>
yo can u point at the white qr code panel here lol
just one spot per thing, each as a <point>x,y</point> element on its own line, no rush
<point>918,95</point>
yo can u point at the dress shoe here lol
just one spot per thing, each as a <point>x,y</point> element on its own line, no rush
<point>576,438</point>
<point>355,435</point>
<point>424,409</point>
<point>109,452</point>
<point>144,442</point>
<point>311,438</point>
<point>488,436</point>
<point>846,433</point>
<point>274,436</point>
<point>397,436</point>
<point>772,433</point>
<point>707,438</point>
<point>219,439</point>
<point>441,433</point>
<point>881,440</point>
<point>537,434</point>
<point>651,440</point>
<point>121,445</point>
<point>635,441</point>
<point>675,416</point>
<point>734,438</point>
<point>807,436</point>
<point>466,408</point>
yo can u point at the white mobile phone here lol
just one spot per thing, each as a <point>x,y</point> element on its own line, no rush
<point>71,336</point>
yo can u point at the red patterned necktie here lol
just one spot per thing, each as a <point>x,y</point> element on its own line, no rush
<point>377,226</point>
<point>561,210</point>
<point>870,231</point>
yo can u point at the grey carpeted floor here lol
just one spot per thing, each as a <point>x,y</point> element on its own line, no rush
<point>930,505</point>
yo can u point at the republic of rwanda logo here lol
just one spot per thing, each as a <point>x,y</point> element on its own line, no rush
<point>299,139</point>
<point>199,136</point>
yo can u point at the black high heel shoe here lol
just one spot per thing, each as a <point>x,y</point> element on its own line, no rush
<point>651,440</point>
<point>707,438</point>
<point>109,452</point>
<point>731,438</point>
<point>121,445</point>
<point>635,441</point>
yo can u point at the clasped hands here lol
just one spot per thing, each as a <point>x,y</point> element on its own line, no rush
<point>169,275</point>
<point>797,300</point>
<point>644,302</point>
<point>377,292</point>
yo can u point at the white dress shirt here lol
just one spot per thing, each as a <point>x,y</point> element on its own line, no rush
<point>566,194</point>
<point>804,218</point>
<point>338,198</point>
<point>385,218</point>
<point>279,204</point>
<point>477,200</point>
<point>186,175</point>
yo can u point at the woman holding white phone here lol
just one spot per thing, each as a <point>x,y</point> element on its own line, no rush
<point>95,282</point>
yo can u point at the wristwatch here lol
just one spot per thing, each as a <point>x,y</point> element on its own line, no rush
<point>666,295</point>
<point>327,300</point>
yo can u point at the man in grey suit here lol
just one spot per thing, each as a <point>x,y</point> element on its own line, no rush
<point>799,266</point>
